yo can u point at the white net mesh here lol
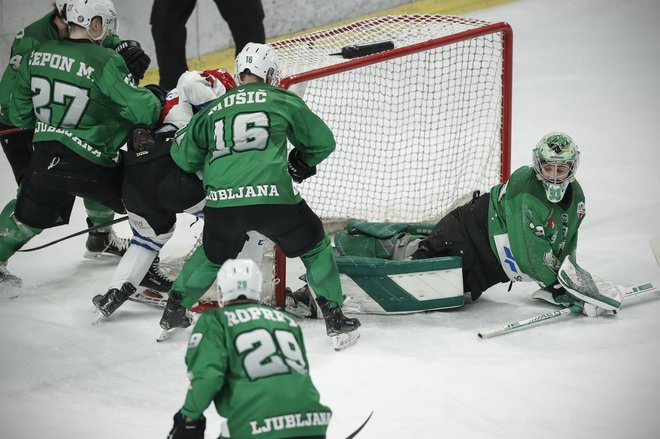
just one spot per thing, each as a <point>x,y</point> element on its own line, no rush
<point>414,132</point>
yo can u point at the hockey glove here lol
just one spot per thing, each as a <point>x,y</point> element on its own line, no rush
<point>187,430</point>
<point>159,92</point>
<point>136,60</point>
<point>298,170</point>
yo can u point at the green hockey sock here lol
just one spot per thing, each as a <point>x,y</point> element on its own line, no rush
<point>13,234</point>
<point>322,273</point>
<point>197,276</point>
<point>98,213</point>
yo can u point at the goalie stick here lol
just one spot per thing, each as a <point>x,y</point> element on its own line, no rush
<point>648,287</point>
<point>82,232</point>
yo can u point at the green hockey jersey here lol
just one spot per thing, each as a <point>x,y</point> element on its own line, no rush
<point>82,95</point>
<point>27,39</point>
<point>250,359</point>
<point>530,235</point>
<point>240,143</point>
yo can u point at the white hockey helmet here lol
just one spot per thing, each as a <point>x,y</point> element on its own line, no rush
<point>556,158</point>
<point>239,277</point>
<point>260,60</point>
<point>61,8</point>
<point>81,12</point>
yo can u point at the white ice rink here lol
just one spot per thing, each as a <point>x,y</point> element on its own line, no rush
<point>590,68</point>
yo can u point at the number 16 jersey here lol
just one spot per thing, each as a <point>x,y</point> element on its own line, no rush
<point>240,143</point>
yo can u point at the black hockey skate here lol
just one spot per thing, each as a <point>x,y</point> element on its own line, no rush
<point>300,302</point>
<point>175,315</point>
<point>7,279</point>
<point>110,301</point>
<point>156,279</point>
<point>104,241</point>
<point>343,330</point>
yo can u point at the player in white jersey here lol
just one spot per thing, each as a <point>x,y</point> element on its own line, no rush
<point>155,189</point>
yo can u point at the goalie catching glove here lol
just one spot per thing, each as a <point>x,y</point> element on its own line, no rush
<point>187,429</point>
<point>136,59</point>
<point>298,170</point>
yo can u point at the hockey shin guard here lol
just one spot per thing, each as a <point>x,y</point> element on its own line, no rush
<point>98,213</point>
<point>13,234</point>
<point>322,272</point>
<point>197,276</point>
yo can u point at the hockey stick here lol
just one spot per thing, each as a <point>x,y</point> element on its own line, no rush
<point>10,131</point>
<point>636,290</point>
<point>352,435</point>
<point>91,229</point>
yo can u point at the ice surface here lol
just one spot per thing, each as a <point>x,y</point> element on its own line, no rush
<point>590,68</point>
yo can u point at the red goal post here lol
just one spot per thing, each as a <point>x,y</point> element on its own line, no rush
<point>418,127</point>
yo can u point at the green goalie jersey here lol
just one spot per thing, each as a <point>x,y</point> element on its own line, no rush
<point>82,95</point>
<point>250,360</point>
<point>531,235</point>
<point>239,142</point>
<point>26,40</point>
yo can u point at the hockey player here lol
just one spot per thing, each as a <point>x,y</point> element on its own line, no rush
<point>267,399</point>
<point>522,230</point>
<point>17,144</point>
<point>152,208</point>
<point>65,91</point>
<point>239,142</point>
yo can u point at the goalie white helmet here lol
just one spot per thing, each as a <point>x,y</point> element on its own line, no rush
<point>239,278</point>
<point>556,158</point>
<point>260,60</point>
<point>81,13</point>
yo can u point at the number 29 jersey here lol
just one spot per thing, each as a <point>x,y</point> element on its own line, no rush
<point>250,360</point>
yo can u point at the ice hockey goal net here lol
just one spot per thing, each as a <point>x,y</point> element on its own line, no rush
<point>418,127</point>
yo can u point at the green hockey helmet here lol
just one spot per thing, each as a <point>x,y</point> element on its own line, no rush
<point>556,159</point>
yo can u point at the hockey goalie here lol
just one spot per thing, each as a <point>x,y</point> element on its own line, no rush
<point>523,230</point>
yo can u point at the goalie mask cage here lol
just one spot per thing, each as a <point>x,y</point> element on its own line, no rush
<point>418,127</point>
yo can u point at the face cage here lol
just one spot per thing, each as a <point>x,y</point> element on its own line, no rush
<point>540,164</point>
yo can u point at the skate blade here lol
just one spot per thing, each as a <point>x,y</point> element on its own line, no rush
<point>98,255</point>
<point>345,340</point>
<point>166,334</point>
<point>98,317</point>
